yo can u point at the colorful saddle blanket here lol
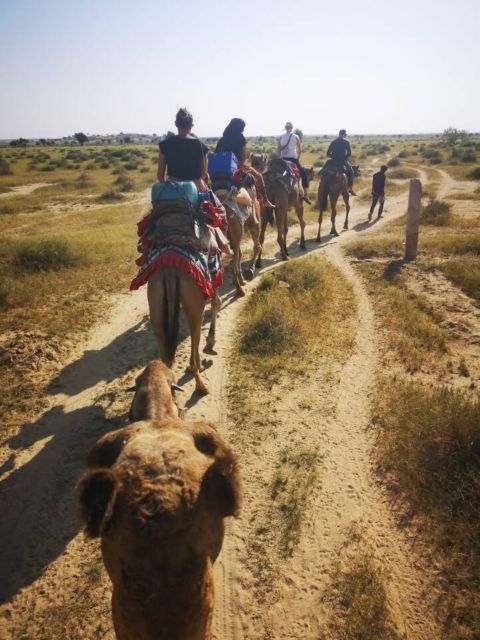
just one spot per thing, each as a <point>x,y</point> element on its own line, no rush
<point>205,269</point>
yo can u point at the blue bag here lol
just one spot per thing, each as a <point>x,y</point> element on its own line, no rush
<point>175,191</point>
<point>225,162</point>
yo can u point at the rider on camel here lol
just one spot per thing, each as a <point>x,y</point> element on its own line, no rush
<point>339,151</point>
<point>183,157</point>
<point>233,140</point>
<point>289,148</point>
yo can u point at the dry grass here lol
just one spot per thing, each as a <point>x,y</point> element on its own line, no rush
<point>429,444</point>
<point>411,324</point>
<point>286,317</point>
<point>464,271</point>
<point>357,596</point>
<point>300,315</point>
<point>295,476</point>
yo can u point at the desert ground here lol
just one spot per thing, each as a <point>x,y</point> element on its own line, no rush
<point>346,381</point>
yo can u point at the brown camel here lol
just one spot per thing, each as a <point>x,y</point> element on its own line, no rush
<point>154,394</point>
<point>331,185</point>
<point>167,289</point>
<point>236,230</point>
<point>285,192</point>
<point>157,493</point>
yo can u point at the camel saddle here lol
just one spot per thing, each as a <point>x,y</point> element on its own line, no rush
<point>331,166</point>
<point>280,170</point>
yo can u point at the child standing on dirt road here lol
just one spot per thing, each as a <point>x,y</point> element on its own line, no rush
<point>378,191</point>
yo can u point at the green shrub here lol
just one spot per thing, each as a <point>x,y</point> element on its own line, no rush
<point>475,173</point>
<point>110,196</point>
<point>124,183</point>
<point>393,162</point>
<point>45,255</point>
<point>5,168</point>
<point>469,157</point>
<point>437,213</point>
<point>404,153</point>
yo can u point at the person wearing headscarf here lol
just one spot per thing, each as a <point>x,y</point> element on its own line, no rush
<point>233,140</point>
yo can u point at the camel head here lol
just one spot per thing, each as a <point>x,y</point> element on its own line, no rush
<point>157,493</point>
<point>158,477</point>
<point>259,161</point>
<point>154,394</point>
<point>356,170</point>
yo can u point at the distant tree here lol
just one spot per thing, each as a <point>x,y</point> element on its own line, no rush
<point>451,136</point>
<point>19,142</point>
<point>81,138</point>
<point>299,133</point>
<point>126,139</point>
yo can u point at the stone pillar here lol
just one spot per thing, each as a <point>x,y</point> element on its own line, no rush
<point>413,218</point>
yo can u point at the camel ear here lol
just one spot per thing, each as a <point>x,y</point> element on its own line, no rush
<point>97,492</point>
<point>223,484</point>
<point>106,450</point>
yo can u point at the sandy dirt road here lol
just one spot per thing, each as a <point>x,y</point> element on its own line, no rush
<point>44,556</point>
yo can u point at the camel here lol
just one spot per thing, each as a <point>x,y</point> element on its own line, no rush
<point>331,185</point>
<point>157,493</point>
<point>285,192</point>
<point>236,229</point>
<point>167,289</point>
<point>154,394</point>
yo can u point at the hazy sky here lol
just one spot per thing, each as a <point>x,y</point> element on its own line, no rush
<point>105,66</point>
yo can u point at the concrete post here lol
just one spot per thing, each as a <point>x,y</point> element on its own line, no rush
<point>413,218</point>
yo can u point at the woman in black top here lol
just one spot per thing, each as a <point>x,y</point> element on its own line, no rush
<point>233,140</point>
<point>183,157</point>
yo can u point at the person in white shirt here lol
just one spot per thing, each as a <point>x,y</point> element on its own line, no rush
<point>289,148</point>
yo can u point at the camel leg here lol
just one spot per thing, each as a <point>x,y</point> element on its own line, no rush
<point>320,220</point>
<point>299,209</point>
<point>254,229</point>
<point>235,231</point>
<point>155,297</point>
<point>279,216</point>
<point>346,199</point>
<point>193,303</point>
<point>333,205</point>
<point>261,239</point>
<point>285,233</point>
<point>216,305</point>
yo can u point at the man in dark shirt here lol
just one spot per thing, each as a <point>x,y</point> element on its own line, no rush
<point>378,191</point>
<point>340,151</point>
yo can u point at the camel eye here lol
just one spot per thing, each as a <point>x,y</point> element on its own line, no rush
<point>205,444</point>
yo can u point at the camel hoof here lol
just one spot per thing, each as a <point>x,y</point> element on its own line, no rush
<point>240,292</point>
<point>208,348</point>
<point>303,246</point>
<point>248,274</point>
<point>345,226</point>
<point>318,239</point>
<point>334,233</point>
<point>200,387</point>
<point>259,264</point>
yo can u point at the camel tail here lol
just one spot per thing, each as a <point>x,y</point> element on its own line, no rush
<point>323,197</point>
<point>171,314</point>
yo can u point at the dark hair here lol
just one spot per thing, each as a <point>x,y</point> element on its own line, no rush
<point>234,127</point>
<point>183,119</point>
<point>384,168</point>
<point>342,132</point>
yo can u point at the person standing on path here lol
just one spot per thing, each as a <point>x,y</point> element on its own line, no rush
<point>378,191</point>
<point>340,151</point>
<point>289,148</point>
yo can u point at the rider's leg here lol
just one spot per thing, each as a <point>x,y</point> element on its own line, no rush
<point>304,178</point>
<point>261,190</point>
<point>350,177</point>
